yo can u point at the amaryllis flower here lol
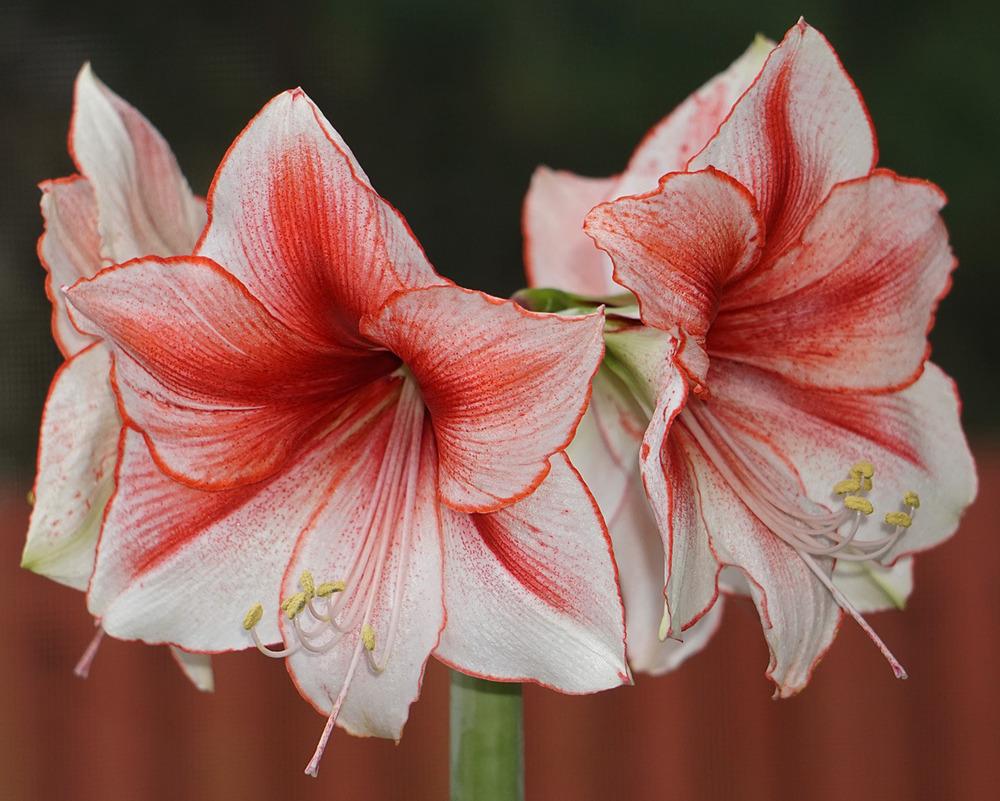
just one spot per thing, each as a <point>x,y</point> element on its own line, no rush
<point>559,254</point>
<point>325,432</point>
<point>794,284</point>
<point>128,199</point>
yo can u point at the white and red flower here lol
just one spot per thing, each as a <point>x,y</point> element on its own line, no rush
<point>794,284</point>
<point>128,199</point>
<point>306,397</point>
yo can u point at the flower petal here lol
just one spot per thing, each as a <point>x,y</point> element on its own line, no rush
<point>799,129</point>
<point>799,615</point>
<point>873,588</point>
<point>196,667</point>
<point>505,387</point>
<point>859,290</point>
<point>913,437</point>
<point>76,457</point>
<point>223,391</point>
<point>556,252</point>
<point>532,593</point>
<point>145,204</point>
<point>69,249</point>
<point>294,218</point>
<point>403,586</point>
<point>182,566</point>
<point>684,132</point>
<point>679,246</point>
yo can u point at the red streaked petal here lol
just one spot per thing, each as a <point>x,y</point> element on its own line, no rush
<point>532,593</point>
<point>223,390</point>
<point>801,128</point>
<point>145,205</point>
<point>798,614</point>
<point>859,291</point>
<point>294,218</point>
<point>684,132</point>
<point>69,249</point>
<point>182,566</point>
<point>913,437</point>
<point>556,251</point>
<point>505,387</point>
<point>404,587</point>
<point>76,458</point>
<point>679,246</point>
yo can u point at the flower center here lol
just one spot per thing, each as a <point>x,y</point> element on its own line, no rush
<point>812,531</point>
<point>341,612</point>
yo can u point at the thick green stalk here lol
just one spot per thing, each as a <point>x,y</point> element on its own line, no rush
<point>487,740</point>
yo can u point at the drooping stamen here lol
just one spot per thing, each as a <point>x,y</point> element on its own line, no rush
<point>323,616</point>
<point>812,534</point>
<point>82,669</point>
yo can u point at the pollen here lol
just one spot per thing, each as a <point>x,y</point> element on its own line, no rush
<point>294,604</point>
<point>858,504</point>
<point>863,469</point>
<point>328,588</point>
<point>368,637</point>
<point>847,486</point>
<point>307,584</point>
<point>898,519</point>
<point>253,616</point>
<point>912,500</point>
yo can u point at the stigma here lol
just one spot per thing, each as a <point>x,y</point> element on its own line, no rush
<point>815,533</point>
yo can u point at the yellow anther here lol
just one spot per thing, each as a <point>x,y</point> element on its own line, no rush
<point>368,637</point>
<point>329,588</point>
<point>912,499</point>
<point>307,584</point>
<point>294,604</point>
<point>253,616</point>
<point>858,504</point>
<point>30,497</point>
<point>866,484</point>
<point>898,519</point>
<point>863,469</point>
<point>847,486</point>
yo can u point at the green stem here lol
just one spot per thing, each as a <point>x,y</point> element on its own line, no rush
<point>487,740</point>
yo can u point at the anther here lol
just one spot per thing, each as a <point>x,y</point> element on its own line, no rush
<point>912,500</point>
<point>866,484</point>
<point>329,588</point>
<point>863,469</point>
<point>368,637</point>
<point>847,486</point>
<point>858,504</point>
<point>253,616</point>
<point>307,584</point>
<point>898,519</point>
<point>294,604</point>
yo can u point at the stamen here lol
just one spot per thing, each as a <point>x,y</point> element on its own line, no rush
<point>253,616</point>
<point>82,669</point>
<point>328,588</point>
<point>812,534</point>
<point>368,637</point>
<point>307,584</point>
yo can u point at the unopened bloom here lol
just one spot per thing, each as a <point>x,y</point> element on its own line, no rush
<point>325,432</point>
<point>559,254</point>
<point>128,199</point>
<point>790,394</point>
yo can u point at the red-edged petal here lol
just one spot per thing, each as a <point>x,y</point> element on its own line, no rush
<point>681,134</point>
<point>223,391</point>
<point>197,668</point>
<point>294,218</point>
<point>532,593</point>
<point>403,586</point>
<point>678,247</point>
<point>798,614</point>
<point>859,291</point>
<point>799,129</point>
<point>556,251</point>
<point>182,566</point>
<point>913,437</point>
<point>76,459</point>
<point>69,249</point>
<point>505,387</point>
<point>145,205</point>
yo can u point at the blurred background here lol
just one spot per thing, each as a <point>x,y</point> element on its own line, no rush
<point>449,106</point>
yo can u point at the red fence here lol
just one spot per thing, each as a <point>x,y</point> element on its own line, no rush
<point>135,730</point>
